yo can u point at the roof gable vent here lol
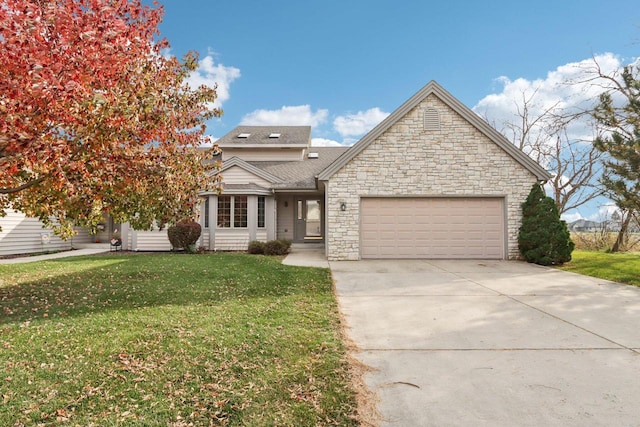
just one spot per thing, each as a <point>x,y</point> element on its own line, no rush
<point>244,135</point>
<point>313,155</point>
<point>431,120</point>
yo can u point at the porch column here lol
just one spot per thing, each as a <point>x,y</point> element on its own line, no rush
<point>270,217</point>
<point>213,221</point>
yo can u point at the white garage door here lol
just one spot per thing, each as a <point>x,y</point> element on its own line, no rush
<point>455,228</point>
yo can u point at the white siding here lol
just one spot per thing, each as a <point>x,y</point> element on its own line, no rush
<point>22,235</point>
<point>236,175</point>
<point>83,236</point>
<point>152,241</point>
<point>231,240</point>
<point>285,218</point>
<point>261,235</point>
<point>204,238</point>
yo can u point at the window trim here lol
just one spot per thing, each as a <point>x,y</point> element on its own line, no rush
<point>236,209</point>
<point>261,212</point>
<point>232,210</point>
<point>227,212</point>
<point>207,206</point>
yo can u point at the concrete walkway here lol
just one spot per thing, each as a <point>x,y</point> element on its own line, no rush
<point>300,255</point>
<point>493,343</point>
<point>306,256</point>
<point>65,254</point>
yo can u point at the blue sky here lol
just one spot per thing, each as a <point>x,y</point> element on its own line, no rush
<point>340,66</point>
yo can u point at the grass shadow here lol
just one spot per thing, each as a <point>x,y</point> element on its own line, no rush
<point>79,285</point>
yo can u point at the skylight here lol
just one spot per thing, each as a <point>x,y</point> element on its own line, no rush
<point>274,135</point>
<point>244,135</point>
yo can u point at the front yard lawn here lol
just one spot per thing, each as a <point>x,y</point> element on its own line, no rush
<point>618,267</point>
<point>171,340</point>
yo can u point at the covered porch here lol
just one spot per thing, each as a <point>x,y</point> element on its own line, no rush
<point>301,217</point>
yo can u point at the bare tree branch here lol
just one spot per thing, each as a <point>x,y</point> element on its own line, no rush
<point>21,187</point>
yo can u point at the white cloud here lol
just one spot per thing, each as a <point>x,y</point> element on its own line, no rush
<point>604,212</point>
<point>571,217</point>
<point>209,74</point>
<point>323,142</point>
<point>359,123</point>
<point>208,141</point>
<point>297,115</point>
<point>569,87</point>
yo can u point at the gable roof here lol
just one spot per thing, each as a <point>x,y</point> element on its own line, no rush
<point>300,174</point>
<point>433,88</point>
<point>265,136</point>
<point>236,161</point>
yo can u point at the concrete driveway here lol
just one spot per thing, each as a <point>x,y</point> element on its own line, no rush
<point>495,343</point>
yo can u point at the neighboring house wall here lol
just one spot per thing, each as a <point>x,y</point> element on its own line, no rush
<point>22,235</point>
<point>457,160</point>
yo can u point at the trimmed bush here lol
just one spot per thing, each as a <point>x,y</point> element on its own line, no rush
<point>256,247</point>
<point>277,247</point>
<point>286,244</point>
<point>272,247</point>
<point>543,237</point>
<point>184,235</point>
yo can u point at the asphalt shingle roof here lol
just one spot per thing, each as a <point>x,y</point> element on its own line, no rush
<point>301,174</point>
<point>259,135</point>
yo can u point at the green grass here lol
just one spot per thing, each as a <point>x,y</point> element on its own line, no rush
<point>171,340</point>
<point>618,267</point>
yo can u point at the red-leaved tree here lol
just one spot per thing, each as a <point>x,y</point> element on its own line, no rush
<point>94,118</point>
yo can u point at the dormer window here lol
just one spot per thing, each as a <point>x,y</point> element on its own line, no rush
<point>274,135</point>
<point>244,135</point>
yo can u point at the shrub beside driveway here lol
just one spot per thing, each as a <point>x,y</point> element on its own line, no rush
<point>171,339</point>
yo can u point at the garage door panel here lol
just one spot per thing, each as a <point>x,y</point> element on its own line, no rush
<point>464,228</point>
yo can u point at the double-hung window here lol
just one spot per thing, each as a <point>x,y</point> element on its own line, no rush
<point>206,212</point>
<point>232,211</point>
<point>261,211</point>
<point>240,211</point>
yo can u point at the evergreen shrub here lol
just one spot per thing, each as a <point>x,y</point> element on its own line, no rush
<point>543,237</point>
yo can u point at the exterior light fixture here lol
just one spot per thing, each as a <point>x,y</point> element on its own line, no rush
<point>343,206</point>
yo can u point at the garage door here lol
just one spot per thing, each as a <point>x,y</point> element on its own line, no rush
<point>456,228</point>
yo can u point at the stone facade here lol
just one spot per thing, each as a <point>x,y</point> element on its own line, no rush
<point>407,160</point>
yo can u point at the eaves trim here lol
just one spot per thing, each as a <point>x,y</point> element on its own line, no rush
<point>434,88</point>
<point>236,161</point>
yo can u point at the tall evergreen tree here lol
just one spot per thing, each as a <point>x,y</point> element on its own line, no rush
<point>543,238</point>
<point>621,142</point>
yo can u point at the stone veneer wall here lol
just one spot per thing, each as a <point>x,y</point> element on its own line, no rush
<point>458,160</point>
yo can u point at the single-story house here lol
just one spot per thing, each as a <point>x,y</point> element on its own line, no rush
<point>432,180</point>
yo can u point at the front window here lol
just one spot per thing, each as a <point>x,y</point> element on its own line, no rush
<point>206,212</point>
<point>261,211</point>
<point>240,212</point>
<point>224,211</point>
<point>232,204</point>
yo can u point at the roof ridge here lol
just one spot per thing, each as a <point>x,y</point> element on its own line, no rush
<point>433,88</point>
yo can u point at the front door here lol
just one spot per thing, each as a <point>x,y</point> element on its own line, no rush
<point>308,220</point>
